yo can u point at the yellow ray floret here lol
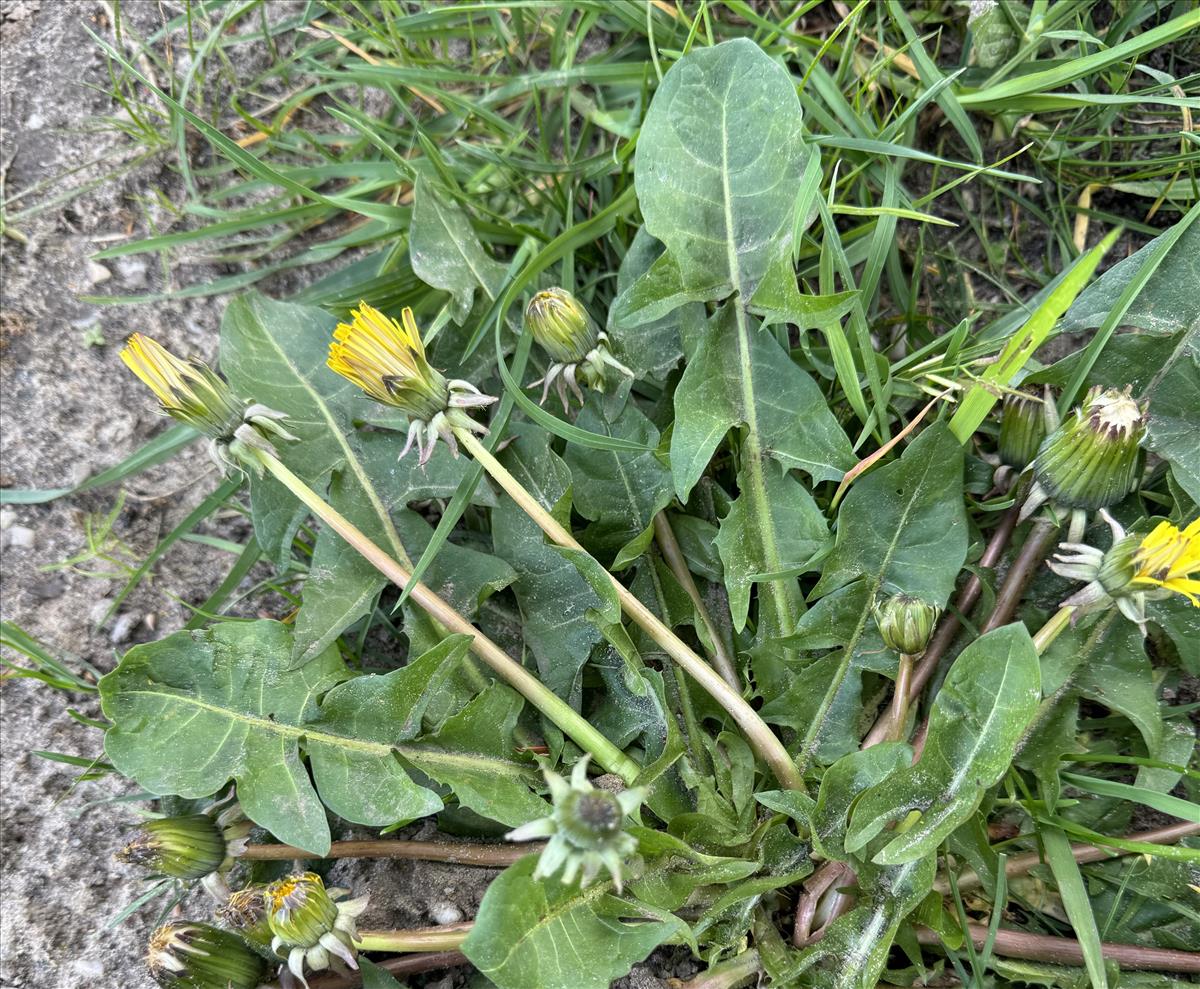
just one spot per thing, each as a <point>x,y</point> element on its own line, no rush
<point>385,358</point>
<point>1168,558</point>
<point>160,370</point>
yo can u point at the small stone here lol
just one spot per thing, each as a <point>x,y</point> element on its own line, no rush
<point>19,537</point>
<point>99,610</point>
<point>7,517</point>
<point>444,912</point>
<point>88,968</point>
<point>97,273</point>
<point>133,271</point>
<point>48,590</point>
<point>35,121</point>
<point>123,627</point>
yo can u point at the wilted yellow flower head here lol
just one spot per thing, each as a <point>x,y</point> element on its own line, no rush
<point>1134,569</point>
<point>1168,558</point>
<point>386,359</point>
<point>312,930</point>
<point>576,347</point>
<point>192,393</point>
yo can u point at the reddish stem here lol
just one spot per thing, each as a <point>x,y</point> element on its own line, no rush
<point>1064,951</point>
<point>403,965</point>
<point>463,853</point>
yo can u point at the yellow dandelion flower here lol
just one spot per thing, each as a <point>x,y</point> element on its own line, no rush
<point>193,393</point>
<point>1168,558</point>
<point>386,359</point>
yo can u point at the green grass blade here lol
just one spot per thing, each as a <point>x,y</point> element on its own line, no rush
<point>1021,346</point>
<point>1076,902</point>
<point>996,97</point>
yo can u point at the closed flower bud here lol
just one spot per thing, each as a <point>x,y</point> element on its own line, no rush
<point>189,391</point>
<point>906,623</point>
<point>188,847</point>
<point>312,930</point>
<point>1093,459</point>
<point>563,328</point>
<point>561,325</point>
<point>386,359</point>
<point>586,829</point>
<point>200,956</point>
<point>1023,426</point>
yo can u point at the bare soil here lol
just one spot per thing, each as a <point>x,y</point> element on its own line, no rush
<point>70,409</point>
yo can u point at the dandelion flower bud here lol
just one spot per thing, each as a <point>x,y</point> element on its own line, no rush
<point>1023,426</point>
<point>1133,570</point>
<point>311,928</point>
<point>200,956</point>
<point>386,359</point>
<point>561,325</point>
<point>194,394</point>
<point>586,829</point>
<point>1092,460</point>
<point>906,623</point>
<point>576,347</point>
<point>188,847</point>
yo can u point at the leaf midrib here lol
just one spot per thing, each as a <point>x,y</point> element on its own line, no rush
<point>312,736</point>
<point>775,595</point>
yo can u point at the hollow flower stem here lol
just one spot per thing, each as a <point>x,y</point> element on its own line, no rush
<point>722,662</point>
<point>1033,551</point>
<point>1082,853</point>
<point>899,710</point>
<point>513,673</point>
<point>948,628</point>
<point>756,731</point>
<point>447,938</point>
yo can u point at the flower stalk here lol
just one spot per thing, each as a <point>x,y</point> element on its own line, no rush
<point>446,938</point>
<point>758,734</point>
<point>668,545</point>
<point>520,679</point>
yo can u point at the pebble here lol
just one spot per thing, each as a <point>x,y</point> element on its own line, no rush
<point>444,912</point>
<point>19,537</point>
<point>123,627</point>
<point>35,121</point>
<point>133,271</point>
<point>88,968</point>
<point>99,610</point>
<point>97,273</point>
<point>48,590</point>
<point>7,517</point>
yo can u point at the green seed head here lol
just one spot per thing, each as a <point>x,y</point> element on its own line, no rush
<point>561,325</point>
<point>1093,459</point>
<point>906,623</point>
<point>591,820</point>
<point>188,847</point>
<point>200,956</point>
